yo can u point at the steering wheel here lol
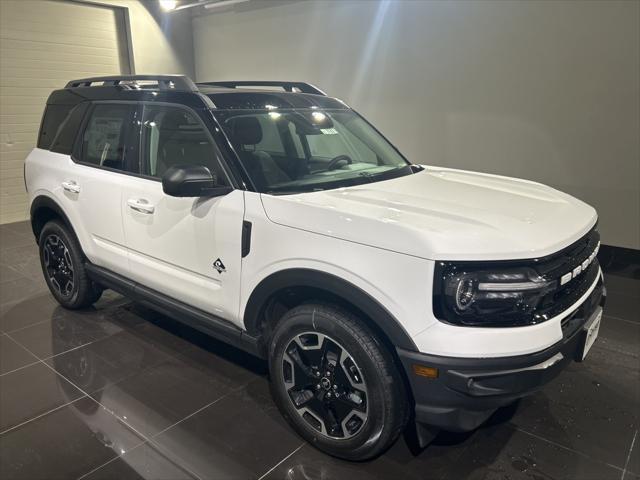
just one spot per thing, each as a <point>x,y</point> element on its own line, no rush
<point>335,161</point>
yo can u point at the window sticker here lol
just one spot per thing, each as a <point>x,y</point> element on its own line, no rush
<point>103,133</point>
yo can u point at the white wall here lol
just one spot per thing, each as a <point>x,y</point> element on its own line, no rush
<point>162,43</point>
<point>44,44</point>
<point>542,90</point>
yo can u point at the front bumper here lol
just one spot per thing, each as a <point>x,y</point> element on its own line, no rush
<point>467,391</point>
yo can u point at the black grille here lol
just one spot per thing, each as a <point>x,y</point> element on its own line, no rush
<point>573,322</point>
<point>557,265</point>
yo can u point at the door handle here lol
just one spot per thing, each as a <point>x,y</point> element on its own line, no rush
<point>71,186</point>
<point>140,205</point>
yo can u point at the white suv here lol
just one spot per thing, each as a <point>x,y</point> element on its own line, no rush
<point>382,293</point>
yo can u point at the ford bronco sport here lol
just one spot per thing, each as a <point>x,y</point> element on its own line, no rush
<point>384,294</point>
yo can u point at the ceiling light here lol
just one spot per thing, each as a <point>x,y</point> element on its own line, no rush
<point>168,4</point>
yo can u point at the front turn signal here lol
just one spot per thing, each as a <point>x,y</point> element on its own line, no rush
<point>422,371</point>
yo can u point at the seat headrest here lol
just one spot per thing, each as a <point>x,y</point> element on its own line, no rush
<point>246,130</point>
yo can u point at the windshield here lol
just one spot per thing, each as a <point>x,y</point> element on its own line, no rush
<point>305,150</point>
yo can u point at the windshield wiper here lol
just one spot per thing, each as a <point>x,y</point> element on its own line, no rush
<point>367,176</point>
<point>374,177</point>
<point>292,192</point>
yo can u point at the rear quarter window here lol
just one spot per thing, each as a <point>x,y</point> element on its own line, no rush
<point>54,116</point>
<point>68,131</point>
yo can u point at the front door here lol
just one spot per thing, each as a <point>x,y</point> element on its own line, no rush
<point>185,248</point>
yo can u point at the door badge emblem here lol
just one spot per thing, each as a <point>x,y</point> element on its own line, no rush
<point>219,266</point>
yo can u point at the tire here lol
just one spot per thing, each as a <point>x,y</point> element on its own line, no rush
<point>363,381</point>
<point>62,263</point>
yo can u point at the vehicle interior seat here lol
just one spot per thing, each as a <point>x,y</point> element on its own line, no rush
<point>181,141</point>
<point>175,138</point>
<point>247,134</point>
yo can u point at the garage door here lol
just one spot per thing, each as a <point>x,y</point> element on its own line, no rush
<point>44,44</point>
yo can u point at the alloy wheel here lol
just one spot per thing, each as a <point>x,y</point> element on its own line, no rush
<point>58,264</point>
<point>325,385</point>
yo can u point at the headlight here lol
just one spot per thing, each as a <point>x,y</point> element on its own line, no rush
<point>472,295</point>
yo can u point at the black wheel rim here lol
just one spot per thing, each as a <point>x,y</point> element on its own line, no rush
<point>58,264</point>
<point>325,385</point>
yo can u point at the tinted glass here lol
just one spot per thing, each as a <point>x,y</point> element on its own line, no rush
<point>317,149</point>
<point>106,138</point>
<point>53,117</point>
<point>175,136</point>
<point>271,141</point>
<point>68,131</point>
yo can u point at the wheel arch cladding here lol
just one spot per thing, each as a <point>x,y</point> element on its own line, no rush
<point>42,210</point>
<point>312,283</point>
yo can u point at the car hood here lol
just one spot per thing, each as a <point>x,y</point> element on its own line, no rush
<point>442,214</point>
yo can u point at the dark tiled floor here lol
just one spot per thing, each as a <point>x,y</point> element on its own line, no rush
<point>121,392</point>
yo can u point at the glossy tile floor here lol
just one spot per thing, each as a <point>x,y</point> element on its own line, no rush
<point>120,392</point>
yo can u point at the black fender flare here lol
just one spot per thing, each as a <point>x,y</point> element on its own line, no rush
<point>302,277</point>
<point>44,201</point>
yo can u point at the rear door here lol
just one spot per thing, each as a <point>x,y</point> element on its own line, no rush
<point>186,248</point>
<point>104,155</point>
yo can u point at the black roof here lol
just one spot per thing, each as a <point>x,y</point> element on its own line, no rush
<point>180,89</point>
<point>225,99</point>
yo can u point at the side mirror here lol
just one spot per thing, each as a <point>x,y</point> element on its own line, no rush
<point>191,181</point>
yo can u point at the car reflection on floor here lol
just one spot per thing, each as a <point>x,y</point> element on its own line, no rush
<point>173,456</point>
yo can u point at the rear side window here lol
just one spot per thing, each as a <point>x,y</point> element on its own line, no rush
<point>68,131</point>
<point>53,117</point>
<point>107,140</point>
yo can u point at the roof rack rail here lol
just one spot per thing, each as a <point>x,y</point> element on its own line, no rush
<point>165,82</point>
<point>302,87</point>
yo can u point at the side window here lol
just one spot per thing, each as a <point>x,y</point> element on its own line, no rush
<point>174,136</point>
<point>105,139</point>
<point>53,117</point>
<point>68,131</point>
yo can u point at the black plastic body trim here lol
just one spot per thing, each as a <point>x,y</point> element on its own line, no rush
<point>195,318</point>
<point>246,238</point>
<point>300,277</point>
<point>468,390</point>
<point>40,202</point>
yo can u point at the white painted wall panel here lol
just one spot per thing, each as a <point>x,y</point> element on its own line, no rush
<point>43,45</point>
